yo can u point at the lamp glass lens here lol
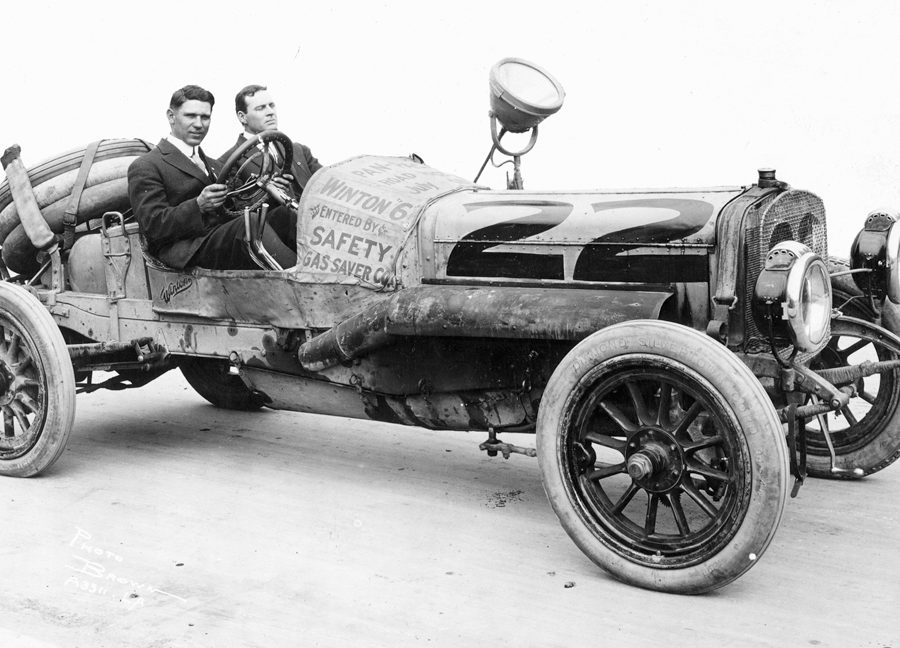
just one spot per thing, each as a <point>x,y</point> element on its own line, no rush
<point>528,84</point>
<point>816,303</point>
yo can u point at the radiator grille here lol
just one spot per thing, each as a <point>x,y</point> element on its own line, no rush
<point>791,216</point>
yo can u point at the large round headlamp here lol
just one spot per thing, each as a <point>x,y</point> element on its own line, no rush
<point>523,94</point>
<point>792,298</point>
<point>876,249</point>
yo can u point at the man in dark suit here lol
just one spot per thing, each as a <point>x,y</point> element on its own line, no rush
<point>177,200</point>
<point>256,111</point>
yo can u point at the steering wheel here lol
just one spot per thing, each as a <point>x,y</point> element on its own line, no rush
<point>248,171</point>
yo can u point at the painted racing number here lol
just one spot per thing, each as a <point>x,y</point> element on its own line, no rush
<point>620,240</point>
<point>476,255</point>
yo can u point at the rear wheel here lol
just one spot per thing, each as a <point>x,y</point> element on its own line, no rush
<point>212,379</point>
<point>37,385</point>
<point>662,456</point>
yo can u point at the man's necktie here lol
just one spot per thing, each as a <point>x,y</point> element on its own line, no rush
<point>196,159</point>
<point>272,150</point>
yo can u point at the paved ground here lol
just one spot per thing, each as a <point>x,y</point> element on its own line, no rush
<point>171,523</point>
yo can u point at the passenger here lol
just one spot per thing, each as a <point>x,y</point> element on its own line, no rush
<point>256,111</point>
<point>177,199</point>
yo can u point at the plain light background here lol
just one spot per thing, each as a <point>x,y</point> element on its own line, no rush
<point>659,94</point>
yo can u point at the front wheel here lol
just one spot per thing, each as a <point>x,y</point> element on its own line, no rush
<point>662,456</point>
<point>37,385</point>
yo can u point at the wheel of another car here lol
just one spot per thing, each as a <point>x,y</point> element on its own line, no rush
<point>662,456</point>
<point>37,385</point>
<point>866,433</point>
<point>212,379</point>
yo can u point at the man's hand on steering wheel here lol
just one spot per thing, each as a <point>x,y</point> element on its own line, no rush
<point>280,190</point>
<point>283,182</point>
<point>211,198</point>
<point>272,181</point>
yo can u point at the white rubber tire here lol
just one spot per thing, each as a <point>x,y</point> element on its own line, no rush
<point>734,393</point>
<point>38,382</point>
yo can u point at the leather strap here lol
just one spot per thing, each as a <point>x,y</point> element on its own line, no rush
<point>70,217</point>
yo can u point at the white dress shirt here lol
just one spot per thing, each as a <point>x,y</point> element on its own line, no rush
<point>190,152</point>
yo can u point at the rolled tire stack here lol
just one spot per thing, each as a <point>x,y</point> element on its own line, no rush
<point>106,189</point>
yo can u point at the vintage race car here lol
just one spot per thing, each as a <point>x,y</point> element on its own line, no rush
<point>679,353</point>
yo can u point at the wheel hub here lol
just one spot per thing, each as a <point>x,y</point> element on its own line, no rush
<point>654,460</point>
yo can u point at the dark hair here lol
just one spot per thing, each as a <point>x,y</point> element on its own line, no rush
<point>240,99</point>
<point>191,92</point>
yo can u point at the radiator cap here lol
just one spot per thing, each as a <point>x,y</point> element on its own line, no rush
<point>767,178</point>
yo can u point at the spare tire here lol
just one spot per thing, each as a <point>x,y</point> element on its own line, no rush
<point>106,189</point>
<point>71,161</point>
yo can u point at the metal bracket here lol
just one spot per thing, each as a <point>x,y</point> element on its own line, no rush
<point>797,456</point>
<point>531,368</point>
<point>57,270</point>
<point>253,240</point>
<point>855,472</point>
<point>493,445</point>
<point>118,256</point>
<point>807,380</point>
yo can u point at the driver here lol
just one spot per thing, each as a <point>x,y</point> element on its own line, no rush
<point>255,109</point>
<point>177,199</point>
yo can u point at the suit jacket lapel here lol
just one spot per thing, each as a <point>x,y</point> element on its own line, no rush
<point>298,168</point>
<point>181,162</point>
<point>297,172</point>
<point>253,163</point>
<point>241,140</point>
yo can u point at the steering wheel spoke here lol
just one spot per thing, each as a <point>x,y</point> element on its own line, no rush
<point>249,171</point>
